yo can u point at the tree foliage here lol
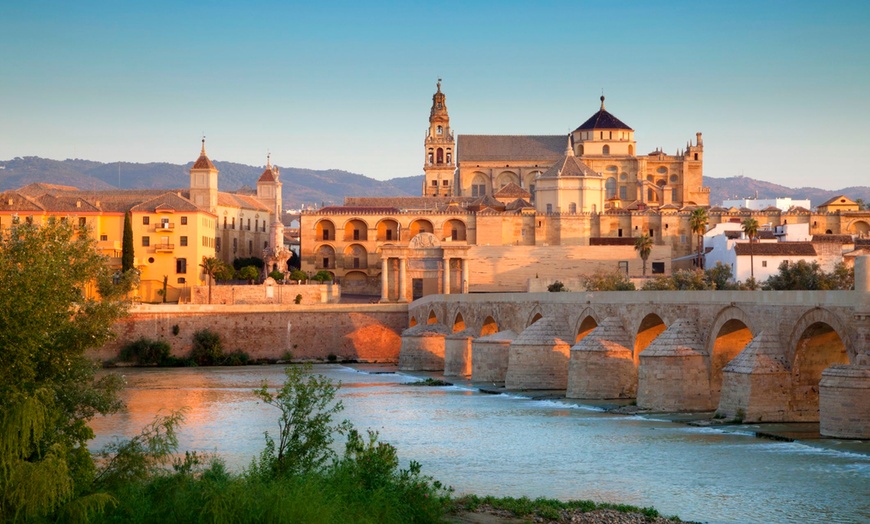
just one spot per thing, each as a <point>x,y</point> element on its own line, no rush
<point>803,275</point>
<point>211,266</point>
<point>698,224</point>
<point>643,245</point>
<point>48,389</point>
<point>249,273</point>
<point>612,281</point>
<point>127,253</point>
<point>306,430</point>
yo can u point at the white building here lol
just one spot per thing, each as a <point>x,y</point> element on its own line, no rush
<point>784,204</point>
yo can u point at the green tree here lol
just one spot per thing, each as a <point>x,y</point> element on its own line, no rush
<point>211,266</point>
<point>48,389</point>
<point>750,229</point>
<point>803,275</point>
<point>720,276</point>
<point>298,275</point>
<point>249,273</point>
<point>698,223</point>
<point>127,244</point>
<point>612,281</point>
<point>322,276</point>
<point>306,429</point>
<point>643,245</point>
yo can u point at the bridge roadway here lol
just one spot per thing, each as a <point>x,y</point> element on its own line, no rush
<point>763,356</point>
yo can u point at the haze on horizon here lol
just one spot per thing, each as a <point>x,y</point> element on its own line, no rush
<point>777,88</point>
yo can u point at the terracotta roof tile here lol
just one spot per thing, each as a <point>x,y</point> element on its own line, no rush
<point>834,239</point>
<point>776,249</point>
<point>203,163</point>
<point>360,210</point>
<point>512,190</point>
<point>570,166</point>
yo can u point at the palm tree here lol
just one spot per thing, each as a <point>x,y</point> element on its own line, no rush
<point>698,223</point>
<point>643,245</point>
<point>750,229</point>
<point>211,266</point>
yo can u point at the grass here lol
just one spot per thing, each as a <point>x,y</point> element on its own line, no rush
<point>546,508</point>
<point>430,382</point>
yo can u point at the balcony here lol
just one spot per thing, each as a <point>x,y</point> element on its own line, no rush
<point>164,226</point>
<point>164,248</point>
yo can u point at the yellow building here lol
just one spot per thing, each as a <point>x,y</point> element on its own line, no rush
<point>172,230</point>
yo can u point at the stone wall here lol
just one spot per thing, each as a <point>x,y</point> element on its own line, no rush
<point>267,294</point>
<point>368,333</point>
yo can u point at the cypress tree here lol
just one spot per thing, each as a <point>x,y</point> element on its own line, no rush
<point>127,245</point>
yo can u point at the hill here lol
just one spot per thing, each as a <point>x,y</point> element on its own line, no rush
<point>318,187</point>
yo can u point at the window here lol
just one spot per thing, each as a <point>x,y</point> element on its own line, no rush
<point>356,234</point>
<point>623,193</point>
<point>605,150</point>
<point>217,245</point>
<point>440,130</point>
<point>652,233</point>
<point>83,222</point>
<point>572,207</point>
<point>325,234</point>
<point>146,221</point>
<point>249,224</point>
<point>764,263</point>
<point>225,222</point>
<point>325,261</point>
<point>454,234</point>
<point>235,245</point>
<point>182,241</point>
<point>256,224</point>
<point>104,237</point>
<point>658,268</point>
<point>675,196</point>
<point>182,280</point>
<point>184,220</point>
<point>478,190</point>
<point>619,232</point>
<point>251,247</point>
<point>434,182</point>
<point>682,239</point>
<point>234,223</point>
<point>181,265</point>
<point>445,182</point>
<point>146,241</point>
<point>622,266</point>
<point>549,208</point>
<point>355,262</point>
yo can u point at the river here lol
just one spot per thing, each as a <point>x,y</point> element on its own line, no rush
<point>513,446</point>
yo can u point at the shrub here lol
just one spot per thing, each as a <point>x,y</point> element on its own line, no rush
<point>207,349</point>
<point>322,276</point>
<point>145,351</point>
<point>249,273</point>
<point>608,281</point>
<point>298,299</point>
<point>556,287</point>
<point>236,358</point>
<point>298,275</point>
<point>277,275</point>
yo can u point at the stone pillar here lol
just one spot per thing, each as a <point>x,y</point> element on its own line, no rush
<point>464,283</point>
<point>446,275</point>
<point>403,296</point>
<point>385,279</point>
<point>844,411</point>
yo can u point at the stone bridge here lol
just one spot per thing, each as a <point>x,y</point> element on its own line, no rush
<point>760,356</point>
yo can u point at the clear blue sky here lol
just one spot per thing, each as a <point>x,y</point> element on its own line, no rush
<point>781,90</point>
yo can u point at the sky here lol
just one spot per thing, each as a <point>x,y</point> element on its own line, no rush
<point>780,90</point>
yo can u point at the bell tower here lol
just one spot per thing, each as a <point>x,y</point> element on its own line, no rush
<point>204,182</point>
<point>439,148</point>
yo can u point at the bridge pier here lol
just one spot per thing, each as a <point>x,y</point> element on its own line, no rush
<point>756,384</point>
<point>423,348</point>
<point>844,402</point>
<point>601,365</point>
<point>538,359</point>
<point>457,353</point>
<point>673,374</point>
<point>489,356</point>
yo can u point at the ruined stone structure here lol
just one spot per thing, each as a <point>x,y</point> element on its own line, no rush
<point>754,355</point>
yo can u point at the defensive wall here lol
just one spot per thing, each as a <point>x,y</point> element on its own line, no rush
<point>363,332</point>
<point>751,355</point>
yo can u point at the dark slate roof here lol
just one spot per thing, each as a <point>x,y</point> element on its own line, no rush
<point>570,165</point>
<point>603,120</point>
<point>484,148</point>
<point>776,249</point>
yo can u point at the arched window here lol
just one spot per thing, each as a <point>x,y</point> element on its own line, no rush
<point>605,150</point>
<point>630,149</point>
<point>440,156</point>
<point>572,207</point>
<point>610,187</point>
<point>440,130</point>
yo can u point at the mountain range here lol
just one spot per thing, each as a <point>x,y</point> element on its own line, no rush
<point>309,187</point>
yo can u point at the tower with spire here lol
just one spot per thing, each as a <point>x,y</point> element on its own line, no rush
<point>439,147</point>
<point>204,182</point>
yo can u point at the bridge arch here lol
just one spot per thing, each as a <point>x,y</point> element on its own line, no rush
<point>534,316</point>
<point>412,322</point>
<point>650,327</point>
<point>731,332</point>
<point>489,327</point>
<point>818,342</point>
<point>586,322</point>
<point>433,318</point>
<point>458,322</point>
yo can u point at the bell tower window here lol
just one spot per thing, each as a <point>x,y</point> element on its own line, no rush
<point>440,130</point>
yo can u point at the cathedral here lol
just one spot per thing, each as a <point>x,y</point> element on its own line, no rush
<point>594,168</point>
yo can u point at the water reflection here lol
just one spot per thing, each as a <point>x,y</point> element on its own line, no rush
<point>508,445</point>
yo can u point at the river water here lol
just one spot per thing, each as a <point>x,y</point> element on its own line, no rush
<point>513,446</point>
